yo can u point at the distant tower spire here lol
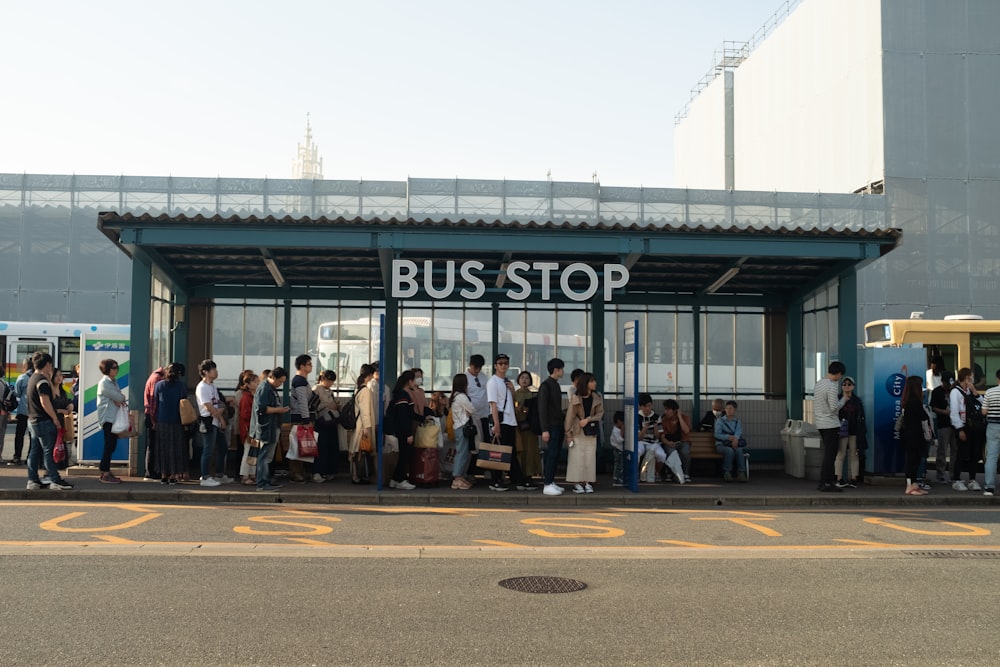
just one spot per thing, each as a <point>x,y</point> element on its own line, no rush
<point>308,164</point>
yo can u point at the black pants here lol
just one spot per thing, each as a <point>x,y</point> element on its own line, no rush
<point>20,429</point>
<point>110,442</point>
<point>404,461</point>
<point>152,466</point>
<point>831,445</point>
<point>508,437</point>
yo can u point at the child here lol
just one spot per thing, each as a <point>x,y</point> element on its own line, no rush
<point>618,449</point>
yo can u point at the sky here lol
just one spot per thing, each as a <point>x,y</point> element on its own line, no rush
<point>393,89</point>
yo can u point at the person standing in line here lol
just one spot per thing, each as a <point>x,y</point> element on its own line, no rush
<point>916,427</point>
<point>550,418</point>
<point>462,413</point>
<point>109,399</point>
<point>21,414</point>
<point>299,400</point>
<point>501,400</point>
<point>326,427</point>
<point>477,394</point>
<point>366,409</point>
<point>962,396</point>
<point>947,442</point>
<point>852,416</point>
<point>244,410</point>
<point>212,423</point>
<point>171,453</point>
<point>826,412</point>
<point>418,394</point>
<point>527,442</point>
<point>991,409</point>
<point>265,425</point>
<point>403,419</point>
<point>42,425</point>
<point>583,424</point>
<point>149,409</point>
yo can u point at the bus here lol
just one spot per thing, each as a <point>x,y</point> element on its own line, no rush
<point>19,340</point>
<point>963,341</point>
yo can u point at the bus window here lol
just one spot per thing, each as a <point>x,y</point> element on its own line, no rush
<point>69,356</point>
<point>18,350</point>
<point>985,358</point>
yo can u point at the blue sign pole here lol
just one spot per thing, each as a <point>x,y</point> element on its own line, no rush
<point>631,459</point>
<point>381,395</point>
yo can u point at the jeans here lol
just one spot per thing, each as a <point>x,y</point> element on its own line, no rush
<point>210,441</point>
<point>263,463</point>
<point>992,454</point>
<point>683,450</point>
<point>552,450</point>
<point>42,441</point>
<point>618,473</point>
<point>461,454</point>
<point>19,430</point>
<point>732,458</point>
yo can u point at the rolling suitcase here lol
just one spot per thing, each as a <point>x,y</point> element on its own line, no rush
<point>425,470</point>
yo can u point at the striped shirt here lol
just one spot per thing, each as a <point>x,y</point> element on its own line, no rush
<point>825,403</point>
<point>991,402</point>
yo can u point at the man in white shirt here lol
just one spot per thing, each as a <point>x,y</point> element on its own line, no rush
<point>991,408</point>
<point>501,401</point>
<point>826,413</point>
<point>969,445</point>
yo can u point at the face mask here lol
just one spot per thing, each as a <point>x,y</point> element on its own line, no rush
<point>419,382</point>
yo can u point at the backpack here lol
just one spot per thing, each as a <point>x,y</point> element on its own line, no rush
<point>9,399</point>
<point>449,425</point>
<point>975,420</point>
<point>314,402</point>
<point>349,415</point>
<point>534,421</point>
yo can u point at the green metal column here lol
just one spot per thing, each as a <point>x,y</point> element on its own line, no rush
<point>696,361</point>
<point>182,332</point>
<point>794,381</point>
<point>286,347</point>
<point>391,343</point>
<point>847,320</point>
<point>139,352</point>
<point>597,342</point>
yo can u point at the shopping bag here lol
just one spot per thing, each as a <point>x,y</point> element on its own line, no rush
<point>122,424</point>
<point>493,456</point>
<point>188,414</point>
<point>299,442</point>
<point>448,459</point>
<point>427,436</point>
<point>59,451</point>
<point>253,451</point>
<point>647,472</point>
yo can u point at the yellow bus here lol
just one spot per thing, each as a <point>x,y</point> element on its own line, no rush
<point>963,341</point>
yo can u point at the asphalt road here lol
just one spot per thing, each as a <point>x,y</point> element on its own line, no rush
<point>407,586</point>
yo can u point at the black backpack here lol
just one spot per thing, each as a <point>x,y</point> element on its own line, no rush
<point>9,400</point>
<point>349,415</point>
<point>975,420</point>
<point>534,421</point>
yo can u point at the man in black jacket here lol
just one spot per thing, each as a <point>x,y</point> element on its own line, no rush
<point>550,416</point>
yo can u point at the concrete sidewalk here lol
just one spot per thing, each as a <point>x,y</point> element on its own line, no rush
<point>766,489</point>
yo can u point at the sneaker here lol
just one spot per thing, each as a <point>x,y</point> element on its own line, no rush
<point>526,485</point>
<point>579,489</point>
<point>853,483</point>
<point>925,486</point>
<point>974,486</point>
<point>108,478</point>
<point>224,479</point>
<point>687,479</point>
<point>164,481</point>
<point>830,488</point>
<point>943,478</point>
<point>60,485</point>
<point>404,485</point>
<point>988,491</point>
<point>841,484</point>
<point>172,481</point>
<point>499,487</point>
<point>210,481</point>
<point>727,476</point>
<point>15,462</point>
<point>34,486</point>
<point>959,485</point>
<point>318,478</point>
<point>617,482</point>
<point>588,488</point>
<point>552,490</point>
<point>268,487</point>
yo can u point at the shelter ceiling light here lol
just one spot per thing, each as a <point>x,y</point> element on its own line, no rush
<point>275,271</point>
<point>722,280</point>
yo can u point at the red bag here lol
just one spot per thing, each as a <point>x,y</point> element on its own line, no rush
<point>59,451</point>
<point>306,438</point>
<point>425,469</point>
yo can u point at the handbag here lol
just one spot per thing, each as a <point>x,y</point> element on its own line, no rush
<point>365,443</point>
<point>427,436</point>
<point>188,414</point>
<point>590,429</point>
<point>306,439</point>
<point>122,423</point>
<point>253,451</point>
<point>469,430</point>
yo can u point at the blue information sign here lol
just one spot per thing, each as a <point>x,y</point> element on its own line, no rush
<point>631,357</point>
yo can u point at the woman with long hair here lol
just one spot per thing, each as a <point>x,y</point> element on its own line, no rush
<point>326,427</point>
<point>171,443</point>
<point>914,440</point>
<point>583,423</point>
<point>403,419</point>
<point>244,394</point>
<point>109,399</point>
<point>365,407</point>
<point>462,413</point>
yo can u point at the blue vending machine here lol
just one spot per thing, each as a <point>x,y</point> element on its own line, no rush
<point>881,376</point>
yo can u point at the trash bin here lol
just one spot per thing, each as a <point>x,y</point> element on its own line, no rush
<point>812,451</point>
<point>791,443</point>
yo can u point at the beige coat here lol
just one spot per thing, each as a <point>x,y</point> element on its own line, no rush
<point>575,413</point>
<point>365,407</point>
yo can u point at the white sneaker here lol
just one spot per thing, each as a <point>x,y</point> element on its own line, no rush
<point>974,486</point>
<point>988,491</point>
<point>959,485</point>
<point>588,488</point>
<point>223,479</point>
<point>406,486</point>
<point>579,489</point>
<point>210,481</point>
<point>318,478</point>
<point>552,490</point>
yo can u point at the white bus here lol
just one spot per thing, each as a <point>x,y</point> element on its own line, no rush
<point>19,340</point>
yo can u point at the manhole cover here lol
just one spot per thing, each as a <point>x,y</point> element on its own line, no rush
<point>543,585</point>
<point>954,554</point>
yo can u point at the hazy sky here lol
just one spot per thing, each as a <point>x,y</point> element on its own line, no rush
<point>431,89</point>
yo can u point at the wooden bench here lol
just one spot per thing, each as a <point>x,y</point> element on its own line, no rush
<point>703,447</point>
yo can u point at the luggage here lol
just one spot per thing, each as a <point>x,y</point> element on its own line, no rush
<point>425,470</point>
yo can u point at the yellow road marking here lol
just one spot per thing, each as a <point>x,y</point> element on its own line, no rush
<point>496,543</point>
<point>770,532</point>
<point>964,529</point>
<point>314,543</point>
<point>680,543</point>
<point>596,531</point>
<point>311,529</point>
<point>54,524</point>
